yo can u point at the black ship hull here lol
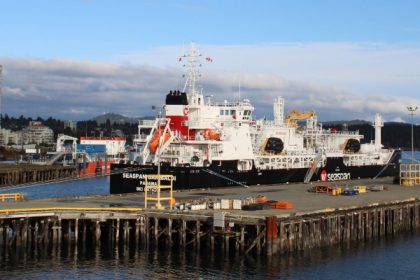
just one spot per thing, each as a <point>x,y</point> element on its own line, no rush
<point>128,178</point>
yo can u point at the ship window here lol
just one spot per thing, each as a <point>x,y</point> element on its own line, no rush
<point>226,112</point>
<point>233,112</point>
<point>222,112</point>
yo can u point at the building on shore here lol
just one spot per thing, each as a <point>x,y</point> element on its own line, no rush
<point>35,133</point>
<point>72,125</point>
<point>8,137</point>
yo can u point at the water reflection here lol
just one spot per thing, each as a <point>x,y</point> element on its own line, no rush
<point>128,262</point>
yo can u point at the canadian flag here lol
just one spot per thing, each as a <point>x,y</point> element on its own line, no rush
<point>209,59</point>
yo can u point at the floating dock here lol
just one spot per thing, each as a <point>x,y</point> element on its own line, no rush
<point>316,220</point>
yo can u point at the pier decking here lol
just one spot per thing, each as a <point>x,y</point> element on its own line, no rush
<point>316,220</point>
<point>16,174</point>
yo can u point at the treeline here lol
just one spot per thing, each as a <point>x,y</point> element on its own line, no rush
<point>16,124</point>
<point>91,128</point>
<point>83,128</point>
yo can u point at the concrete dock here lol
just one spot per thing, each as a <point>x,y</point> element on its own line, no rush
<point>316,219</point>
<point>302,200</point>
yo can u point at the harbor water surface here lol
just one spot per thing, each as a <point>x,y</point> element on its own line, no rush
<point>390,258</point>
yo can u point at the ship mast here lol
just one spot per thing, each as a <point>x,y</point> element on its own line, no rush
<point>193,73</point>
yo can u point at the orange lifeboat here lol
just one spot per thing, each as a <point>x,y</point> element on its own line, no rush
<point>209,134</point>
<point>155,140</point>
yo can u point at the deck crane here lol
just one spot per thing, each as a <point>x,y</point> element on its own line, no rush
<point>295,115</point>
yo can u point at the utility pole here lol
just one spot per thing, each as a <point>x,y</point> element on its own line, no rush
<point>412,110</point>
<point>1,93</point>
<point>1,104</point>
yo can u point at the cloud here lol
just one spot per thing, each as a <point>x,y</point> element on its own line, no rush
<point>338,81</point>
<point>82,89</point>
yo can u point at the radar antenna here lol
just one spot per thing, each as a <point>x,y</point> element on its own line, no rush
<point>193,72</point>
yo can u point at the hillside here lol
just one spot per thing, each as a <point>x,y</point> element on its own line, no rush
<point>348,123</point>
<point>117,118</point>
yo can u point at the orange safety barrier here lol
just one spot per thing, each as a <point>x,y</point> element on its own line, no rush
<point>281,205</point>
<point>261,199</point>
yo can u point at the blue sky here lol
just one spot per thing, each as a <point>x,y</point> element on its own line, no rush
<point>101,56</point>
<point>94,29</point>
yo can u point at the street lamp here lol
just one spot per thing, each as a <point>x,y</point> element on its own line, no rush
<point>412,109</point>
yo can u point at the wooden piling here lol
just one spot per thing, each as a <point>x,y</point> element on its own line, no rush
<point>197,234</point>
<point>117,232</point>
<point>183,234</point>
<point>156,231</point>
<point>76,231</point>
<point>169,239</point>
<point>97,232</point>
<point>137,232</point>
<point>270,235</point>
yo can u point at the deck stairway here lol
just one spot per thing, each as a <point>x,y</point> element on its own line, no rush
<point>315,165</point>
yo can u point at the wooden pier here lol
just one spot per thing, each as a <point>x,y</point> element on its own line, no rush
<point>16,174</point>
<point>317,220</point>
<point>215,231</point>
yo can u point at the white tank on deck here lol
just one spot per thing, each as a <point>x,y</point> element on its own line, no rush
<point>378,124</point>
<point>278,111</point>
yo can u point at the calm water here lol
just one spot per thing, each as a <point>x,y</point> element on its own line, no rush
<point>386,259</point>
<point>92,186</point>
<point>392,258</point>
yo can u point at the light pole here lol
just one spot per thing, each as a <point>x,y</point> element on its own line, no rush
<point>159,112</point>
<point>412,109</point>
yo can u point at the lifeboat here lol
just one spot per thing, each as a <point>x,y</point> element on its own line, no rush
<point>155,140</point>
<point>209,134</point>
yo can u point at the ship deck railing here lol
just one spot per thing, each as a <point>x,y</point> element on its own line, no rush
<point>146,123</point>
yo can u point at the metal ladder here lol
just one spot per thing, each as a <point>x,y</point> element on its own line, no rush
<point>315,165</point>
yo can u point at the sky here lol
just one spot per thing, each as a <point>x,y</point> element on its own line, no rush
<point>76,59</point>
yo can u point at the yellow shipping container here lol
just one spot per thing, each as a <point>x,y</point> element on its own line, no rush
<point>336,191</point>
<point>361,189</point>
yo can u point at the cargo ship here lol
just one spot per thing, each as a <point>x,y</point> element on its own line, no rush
<point>206,144</point>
